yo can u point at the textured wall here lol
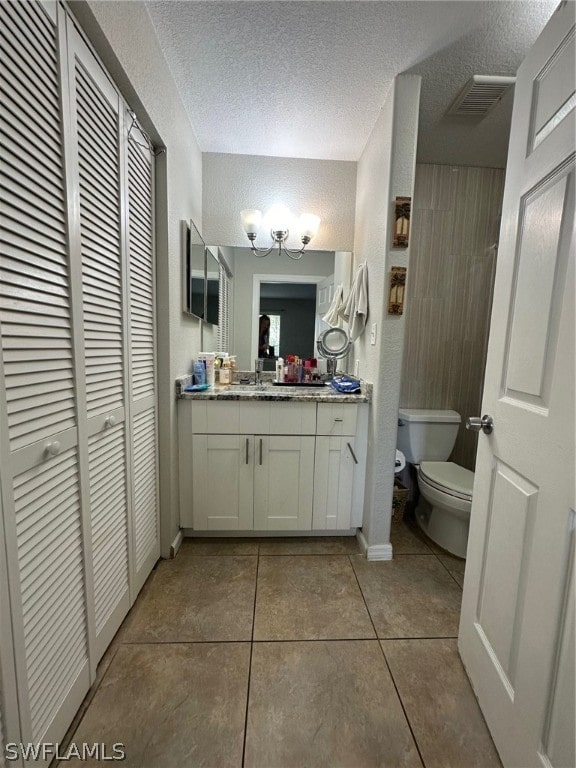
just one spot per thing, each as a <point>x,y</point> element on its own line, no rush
<point>124,37</point>
<point>455,222</point>
<point>385,170</point>
<point>234,182</point>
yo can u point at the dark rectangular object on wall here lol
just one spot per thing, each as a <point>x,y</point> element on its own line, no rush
<point>397,289</point>
<point>401,222</point>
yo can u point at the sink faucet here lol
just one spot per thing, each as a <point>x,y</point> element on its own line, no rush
<point>258,368</point>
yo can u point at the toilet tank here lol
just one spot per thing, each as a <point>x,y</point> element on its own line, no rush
<point>427,435</point>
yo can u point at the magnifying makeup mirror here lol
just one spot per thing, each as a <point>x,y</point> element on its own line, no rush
<point>332,345</point>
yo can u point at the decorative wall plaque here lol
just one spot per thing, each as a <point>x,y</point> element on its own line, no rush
<point>397,288</point>
<point>401,222</point>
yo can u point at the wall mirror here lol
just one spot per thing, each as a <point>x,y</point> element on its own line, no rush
<point>194,271</point>
<point>298,293</point>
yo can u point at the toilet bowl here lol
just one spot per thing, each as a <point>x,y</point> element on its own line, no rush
<point>427,438</point>
<point>443,511</point>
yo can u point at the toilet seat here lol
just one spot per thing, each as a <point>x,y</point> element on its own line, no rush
<point>448,478</point>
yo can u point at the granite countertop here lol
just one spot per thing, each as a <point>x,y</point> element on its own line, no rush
<point>269,391</point>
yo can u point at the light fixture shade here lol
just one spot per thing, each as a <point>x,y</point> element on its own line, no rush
<point>251,220</point>
<point>309,224</point>
<point>278,218</point>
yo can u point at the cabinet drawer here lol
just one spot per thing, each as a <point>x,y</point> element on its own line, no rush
<point>264,418</point>
<point>213,418</point>
<point>337,419</point>
<point>292,418</point>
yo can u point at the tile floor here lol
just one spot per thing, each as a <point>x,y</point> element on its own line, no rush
<point>292,653</point>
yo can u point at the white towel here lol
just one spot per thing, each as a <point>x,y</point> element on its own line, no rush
<point>356,309</point>
<point>334,315</point>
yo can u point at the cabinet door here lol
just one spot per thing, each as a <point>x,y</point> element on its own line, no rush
<point>222,467</point>
<point>283,482</point>
<point>334,469</point>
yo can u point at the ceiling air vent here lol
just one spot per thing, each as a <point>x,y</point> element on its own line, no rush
<point>480,95</point>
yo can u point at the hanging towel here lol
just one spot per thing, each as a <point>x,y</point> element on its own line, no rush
<point>356,309</point>
<point>334,315</point>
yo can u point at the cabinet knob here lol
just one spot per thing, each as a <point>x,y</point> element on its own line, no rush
<point>53,448</point>
<point>109,421</point>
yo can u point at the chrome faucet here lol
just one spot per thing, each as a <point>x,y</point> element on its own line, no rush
<point>258,368</point>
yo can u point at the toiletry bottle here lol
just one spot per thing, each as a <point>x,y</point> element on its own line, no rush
<point>199,372</point>
<point>279,369</point>
<point>225,371</point>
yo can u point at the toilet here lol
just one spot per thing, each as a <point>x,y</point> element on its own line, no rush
<point>426,438</point>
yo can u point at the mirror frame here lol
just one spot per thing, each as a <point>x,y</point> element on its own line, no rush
<point>211,257</point>
<point>272,278</point>
<point>190,233</point>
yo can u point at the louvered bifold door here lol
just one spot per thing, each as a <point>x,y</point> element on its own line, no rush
<point>97,244</point>
<point>143,401</point>
<point>39,451</point>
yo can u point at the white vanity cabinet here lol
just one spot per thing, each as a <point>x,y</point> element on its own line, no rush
<point>339,466</point>
<point>246,465</point>
<point>271,466</point>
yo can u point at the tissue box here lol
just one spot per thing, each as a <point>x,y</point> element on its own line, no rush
<point>399,499</point>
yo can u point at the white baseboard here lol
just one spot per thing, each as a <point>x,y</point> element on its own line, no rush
<point>362,541</point>
<point>175,546</point>
<point>376,551</point>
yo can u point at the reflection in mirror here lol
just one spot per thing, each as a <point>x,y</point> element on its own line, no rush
<point>315,275</point>
<point>194,270</point>
<point>291,310</point>
<point>212,287</point>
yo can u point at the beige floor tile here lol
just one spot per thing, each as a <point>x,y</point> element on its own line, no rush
<point>309,598</point>
<point>410,596</point>
<point>217,546</point>
<point>455,565</point>
<point>406,539</point>
<point>440,704</point>
<point>310,545</point>
<point>329,704</point>
<point>195,598</point>
<point>171,706</point>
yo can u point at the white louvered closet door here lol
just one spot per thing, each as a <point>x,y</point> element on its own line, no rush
<point>97,245</point>
<point>143,408</point>
<point>39,456</point>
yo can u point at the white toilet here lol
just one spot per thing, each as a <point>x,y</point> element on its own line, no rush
<point>426,437</point>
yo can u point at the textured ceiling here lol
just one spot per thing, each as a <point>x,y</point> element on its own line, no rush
<point>308,79</point>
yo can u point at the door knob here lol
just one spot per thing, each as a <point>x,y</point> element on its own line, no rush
<point>53,448</point>
<point>109,421</point>
<point>475,424</point>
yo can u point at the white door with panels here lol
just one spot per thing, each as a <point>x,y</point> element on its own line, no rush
<point>78,447</point>
<point>517,624</point>
<point>139,298</point>
<point>40,463</point>
<point>97,250</point>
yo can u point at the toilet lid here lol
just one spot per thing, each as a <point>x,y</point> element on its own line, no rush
<point>445,475</point>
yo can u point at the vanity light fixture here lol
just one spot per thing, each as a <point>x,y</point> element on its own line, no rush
<point>278,219</point>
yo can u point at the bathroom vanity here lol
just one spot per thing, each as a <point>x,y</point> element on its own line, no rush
<point>272,458</point>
